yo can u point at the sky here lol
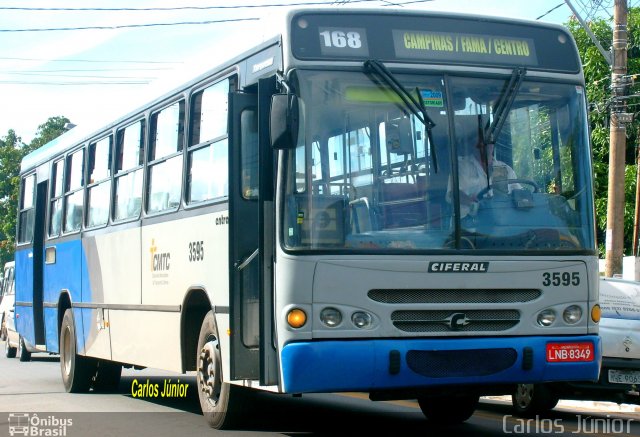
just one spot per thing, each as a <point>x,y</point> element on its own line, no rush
<point>93,76</point>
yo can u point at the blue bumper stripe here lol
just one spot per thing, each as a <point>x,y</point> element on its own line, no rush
<point>364,365</point>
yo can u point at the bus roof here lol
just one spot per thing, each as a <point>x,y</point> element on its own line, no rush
<point>81,134</point>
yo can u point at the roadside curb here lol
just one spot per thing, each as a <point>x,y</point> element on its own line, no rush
<point>610,407</point>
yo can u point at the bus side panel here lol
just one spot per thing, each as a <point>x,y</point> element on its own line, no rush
<point>112,277</point>
<point>64,274</point>
<point>178,255</point>
<point>51,329</point>
<point>24,293</point>
<point>94,320</point>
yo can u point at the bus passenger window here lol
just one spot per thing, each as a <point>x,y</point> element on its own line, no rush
<point>27,209</point>
<point>208,147</point>
<point>73,193</point>
<point>100,182</point>
<point>210,113</point>
<point>55,208</point>
<point>128,178</point>
<point>167,128</point>
<point>208,172</point>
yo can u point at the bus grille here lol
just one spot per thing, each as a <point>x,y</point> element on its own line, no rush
<point>454,296</point>
<point>455,321</point>
<point>474,362</point>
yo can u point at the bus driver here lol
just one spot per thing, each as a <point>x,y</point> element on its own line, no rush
<point>472,172</point>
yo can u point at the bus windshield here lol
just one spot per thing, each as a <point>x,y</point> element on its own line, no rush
<point>505,168</point>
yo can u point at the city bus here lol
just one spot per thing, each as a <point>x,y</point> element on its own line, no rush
<point>294,220</point>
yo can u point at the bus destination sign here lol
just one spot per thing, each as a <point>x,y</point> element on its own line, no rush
<point>427,38</point>
<point>450,46</point>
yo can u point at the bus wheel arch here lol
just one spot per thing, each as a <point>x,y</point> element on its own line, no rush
<point>195,307</point>
<point>64,303</point>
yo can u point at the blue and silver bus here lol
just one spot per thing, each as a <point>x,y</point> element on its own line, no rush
<point>296,220</point>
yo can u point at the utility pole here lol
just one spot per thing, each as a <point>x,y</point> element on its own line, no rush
<point>617,132</point>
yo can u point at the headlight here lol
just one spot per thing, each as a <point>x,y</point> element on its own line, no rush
<point>572,314</point>
<point>546,317</point>
<point>331,317</point>
<point>361,319</point>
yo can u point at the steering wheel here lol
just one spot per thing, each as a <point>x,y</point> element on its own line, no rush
<point>507,182</point>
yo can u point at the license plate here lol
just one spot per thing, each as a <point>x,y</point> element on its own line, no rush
<point>569,352</point>
<point>624,376</point>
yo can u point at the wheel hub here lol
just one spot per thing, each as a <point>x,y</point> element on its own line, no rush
<point>209,371</point>
<point>524,394</point>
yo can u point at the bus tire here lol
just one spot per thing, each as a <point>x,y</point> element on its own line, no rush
<point>24,354</point>
<point>531,399</point>
<point>448,410</point>
<point>214,394</point>
<point>9,352</point>
<point>107,378</point>
<point>77,371</point>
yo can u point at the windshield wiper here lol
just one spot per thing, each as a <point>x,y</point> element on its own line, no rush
<point>415,105</point>
<point>492,132</point>
<point>505,101</point>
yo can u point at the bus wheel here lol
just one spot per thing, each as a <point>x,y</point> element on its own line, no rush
<point>9,352</point>
<point>107,378</point>
<point>24,354</point>
<point>532,399</point>
<point>77,370</point>
<point>447,410</point>
<point>213,393</point>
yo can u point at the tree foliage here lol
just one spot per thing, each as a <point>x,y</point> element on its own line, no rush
<point>12,150</point>
<point>598,79</point>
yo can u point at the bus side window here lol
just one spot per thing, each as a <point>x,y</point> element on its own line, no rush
<point>165,158</point>
<point>128,171</point>
<point>74,195</point>
<point>208,146</point>
<point>99,191</point>
<point>55,206</point>
<point>27,209</point>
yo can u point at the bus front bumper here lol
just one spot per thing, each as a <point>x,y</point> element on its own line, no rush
<point>368,365</point>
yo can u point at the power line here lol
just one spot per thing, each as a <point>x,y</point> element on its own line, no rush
<point>8,58</point>
<point>549,11</point>
<point>55,74</point>
<point>15,82</point>
<point>125,26</point>
<point>82,70</point>
<point>181,8</point>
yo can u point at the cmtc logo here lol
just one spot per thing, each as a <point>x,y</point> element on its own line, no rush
<point>159,261</point>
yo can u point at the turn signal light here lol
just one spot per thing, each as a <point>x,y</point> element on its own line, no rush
<point>296,318</point>
<point>596,313</point>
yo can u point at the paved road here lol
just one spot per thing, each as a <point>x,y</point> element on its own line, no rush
<point>35,389</point>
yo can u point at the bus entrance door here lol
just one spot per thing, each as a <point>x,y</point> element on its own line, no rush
<point>250,159</point>
<point>38,263</point>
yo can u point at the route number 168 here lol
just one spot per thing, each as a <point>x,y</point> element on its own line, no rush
<point>340,39</point>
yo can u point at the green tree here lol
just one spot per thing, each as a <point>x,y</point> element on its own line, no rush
<point>12,150</point>
<point>10,155</point>
<point>598,79</point>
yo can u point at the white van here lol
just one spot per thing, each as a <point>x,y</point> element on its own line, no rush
<point>7,297</point>
<point>620,372</point>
